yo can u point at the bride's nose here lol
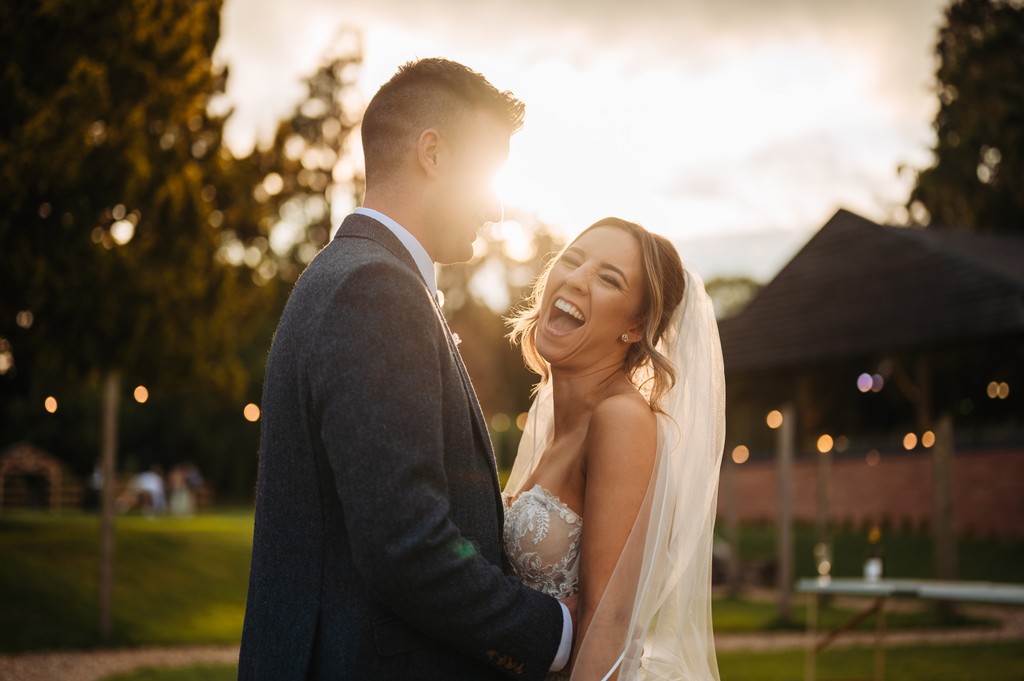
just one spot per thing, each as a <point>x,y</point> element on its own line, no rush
<point>577,280</point>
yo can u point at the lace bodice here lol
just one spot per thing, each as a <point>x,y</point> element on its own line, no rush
<point>542,541</point>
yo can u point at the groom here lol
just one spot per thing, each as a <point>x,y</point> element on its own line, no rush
<point>377,546</point>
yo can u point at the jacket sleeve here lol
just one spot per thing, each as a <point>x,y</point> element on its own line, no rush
<point>375,382</point>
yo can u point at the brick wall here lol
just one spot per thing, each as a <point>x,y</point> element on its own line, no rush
<point>988,491</point>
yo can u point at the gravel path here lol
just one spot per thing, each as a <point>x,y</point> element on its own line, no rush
<point>100,664</point>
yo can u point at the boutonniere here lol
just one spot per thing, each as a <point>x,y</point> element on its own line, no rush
<point>458,341</point>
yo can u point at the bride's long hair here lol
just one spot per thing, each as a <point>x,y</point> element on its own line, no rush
<point>664,287</point>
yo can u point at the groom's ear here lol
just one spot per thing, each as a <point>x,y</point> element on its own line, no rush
<point>429,150</point>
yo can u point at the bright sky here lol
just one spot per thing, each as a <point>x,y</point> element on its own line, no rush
<point>735,127</point>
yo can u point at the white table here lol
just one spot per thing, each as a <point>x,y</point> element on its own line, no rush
<point>882,590</point>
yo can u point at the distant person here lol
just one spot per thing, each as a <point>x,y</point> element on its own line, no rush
<point>94,490</point>
<point>145,491</point>
<point>378,530</point>
<point>181,500</point>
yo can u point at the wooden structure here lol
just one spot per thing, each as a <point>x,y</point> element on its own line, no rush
<point>859,289</point>
<point>26,459</point>
<point>878,335</point>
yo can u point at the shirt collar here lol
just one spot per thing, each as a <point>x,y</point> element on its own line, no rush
<point>415,248</point>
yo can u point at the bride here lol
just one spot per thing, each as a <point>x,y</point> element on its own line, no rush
<point>612,495</point>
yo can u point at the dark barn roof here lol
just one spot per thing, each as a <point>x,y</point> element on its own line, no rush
<point>859,288</point>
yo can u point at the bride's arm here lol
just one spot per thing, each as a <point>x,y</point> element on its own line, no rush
<point>619,456</point>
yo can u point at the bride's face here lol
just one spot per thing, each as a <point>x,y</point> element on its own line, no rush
<point>592,296</point>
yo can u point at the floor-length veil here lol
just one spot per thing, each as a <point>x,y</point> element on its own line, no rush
<point>654,619</point>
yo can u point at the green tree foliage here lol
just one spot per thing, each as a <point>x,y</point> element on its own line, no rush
<point>731,294</point>
<point>976,180</point>
<point>305,181</point>
<point>116,185</point>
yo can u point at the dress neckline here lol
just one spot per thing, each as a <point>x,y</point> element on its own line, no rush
<point>543,491</point>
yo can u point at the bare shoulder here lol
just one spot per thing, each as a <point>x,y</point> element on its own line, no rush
<point>623,431</point>
<point>625,410</point>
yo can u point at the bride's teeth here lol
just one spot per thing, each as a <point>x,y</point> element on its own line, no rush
<point>569,309</point>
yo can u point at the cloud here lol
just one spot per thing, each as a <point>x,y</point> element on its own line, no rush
<point>692,117</point>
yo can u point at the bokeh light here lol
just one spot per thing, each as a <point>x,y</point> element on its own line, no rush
<point>50,404</point>
<point>877,383</point>
<point>521,420</point>
<point>122,232</point>
<point>825,443</point>
<point>251,413</point>
<point>500,422</point>
<point>774,419</point>
<point>872,457</point>
<point>927,439</point>
<point>909,441</point>
<point>998,390</point>
<point>740,454</point>
<point>864,383</point>
<point>6,356</point>
<point>141,394</point>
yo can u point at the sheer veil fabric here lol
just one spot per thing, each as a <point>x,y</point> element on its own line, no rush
<point>654,620</point>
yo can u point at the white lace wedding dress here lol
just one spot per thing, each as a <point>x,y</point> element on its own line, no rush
<point>542,541</point>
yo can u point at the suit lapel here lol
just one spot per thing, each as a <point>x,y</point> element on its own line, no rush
<point>478,417</point>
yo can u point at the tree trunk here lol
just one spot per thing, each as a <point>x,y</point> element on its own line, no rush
<point>942,511</point>
<point>108,467</point>
<point>732,525</point>
<point>785,445</point>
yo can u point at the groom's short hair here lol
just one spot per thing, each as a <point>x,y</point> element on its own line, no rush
<point>423,94</point>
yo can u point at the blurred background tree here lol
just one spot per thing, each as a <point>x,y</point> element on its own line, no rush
<point>307,179</point>
<point>976,180</point>
<point>730,295</point>
<point>134,244</point>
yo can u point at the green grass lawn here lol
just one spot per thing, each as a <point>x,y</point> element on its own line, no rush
<point>177,580</point>
<point>907,553</point>
<point>183,580</point>
<point>743,615</point>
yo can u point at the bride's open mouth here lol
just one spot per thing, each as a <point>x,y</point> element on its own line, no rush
<point>564,318</point>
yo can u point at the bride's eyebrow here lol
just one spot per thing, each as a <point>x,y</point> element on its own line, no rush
<point>576,250</point>
<point>613,268</point>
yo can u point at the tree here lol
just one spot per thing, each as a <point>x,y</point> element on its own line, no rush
<point>731,294</point>
<point>305,181</point>
<point>111,168</point>
<point>976,179</point>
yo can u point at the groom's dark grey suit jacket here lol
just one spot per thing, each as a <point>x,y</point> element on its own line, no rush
<point>377,546</point>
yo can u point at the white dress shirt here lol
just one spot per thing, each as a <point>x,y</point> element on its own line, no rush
<point>426,268</point>
<point>415,248</point>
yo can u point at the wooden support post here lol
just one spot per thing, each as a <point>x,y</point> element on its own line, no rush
<point>732,523</point>
<point>785,449</point>
<point>108,466</point>
<point>942,511</point>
